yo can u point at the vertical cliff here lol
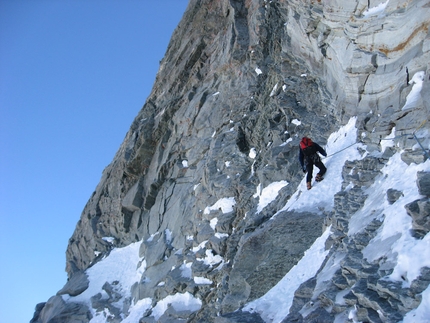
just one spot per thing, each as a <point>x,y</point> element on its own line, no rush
<point>241,82</point>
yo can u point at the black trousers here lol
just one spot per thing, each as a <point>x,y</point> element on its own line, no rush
<point>310,168</point>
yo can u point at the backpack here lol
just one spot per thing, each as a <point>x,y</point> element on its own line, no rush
<point>308,147</point>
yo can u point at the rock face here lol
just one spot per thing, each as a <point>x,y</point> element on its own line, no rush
<point>240,84</point>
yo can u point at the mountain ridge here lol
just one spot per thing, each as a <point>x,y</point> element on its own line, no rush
<point>239,85</point>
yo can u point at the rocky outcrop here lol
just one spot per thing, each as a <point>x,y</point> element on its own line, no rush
<point>419,210</point>
<point>240,83</point>
<point>76,285</point>
<point>57,310</point>
<point>272,249</point>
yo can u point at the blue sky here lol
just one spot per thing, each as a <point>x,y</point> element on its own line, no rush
<point>73,75</point>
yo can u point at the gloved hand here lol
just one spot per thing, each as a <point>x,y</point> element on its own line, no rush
<point>304,169</point>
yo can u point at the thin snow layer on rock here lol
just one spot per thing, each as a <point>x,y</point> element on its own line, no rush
<point>378,10</point>
<point>268,194</point>
<point>211,259</point>
<point>221,235</point>
<point>296,122</point>
<point>199,247</point>
<point>151,238</point>
<point>213,223</point>
<point>394,241</point>
<point>225,204</point>
<point>180,302</point>
<point>109,239</point>
<point>415,94</point>
<point>268,306</point>
<point>186,271</point>
<point>388,141</point>
<point>202,281</point>
<point>341,146</point>
<point>136,311</point>
<point>275,88</point>
<point>123,265</point>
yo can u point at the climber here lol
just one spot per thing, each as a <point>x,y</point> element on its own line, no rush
<point>308,157</point>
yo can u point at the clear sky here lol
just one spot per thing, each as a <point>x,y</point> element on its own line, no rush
<point>73,75</point>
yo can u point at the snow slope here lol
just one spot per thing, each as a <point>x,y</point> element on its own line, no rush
<point>409,254</point>
<point>341,146</point>
<point>122,268</point>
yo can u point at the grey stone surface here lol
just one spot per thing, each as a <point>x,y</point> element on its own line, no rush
<point>393,195</point>
<point>239,317</point>
<point>56,310</point>
<point>267,254</point>
<point>39,307</point>
<point>423,183</point>
<point>154,250</point>
<point>76,285</point>
<point>419,210</point>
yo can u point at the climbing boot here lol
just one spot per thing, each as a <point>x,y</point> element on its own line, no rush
<point>308,185</point>
<point>319,178</point>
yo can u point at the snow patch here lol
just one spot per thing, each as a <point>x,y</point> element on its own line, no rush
<point>378,10</point>
<point>200,246</point>
<point>296,122</point>
<point>202,281</point>
<point>268,194</point>
<point>152,236</point>
<point>180,302</point>
<point>109,239</point>
<point>211,259</point>
<point>213,223</point>
<point>225,205</point>
<point>221,235</point>
<point>414,95</point>
<point>122,266</point>
<point>388,141</point>
<point>137,311</point>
